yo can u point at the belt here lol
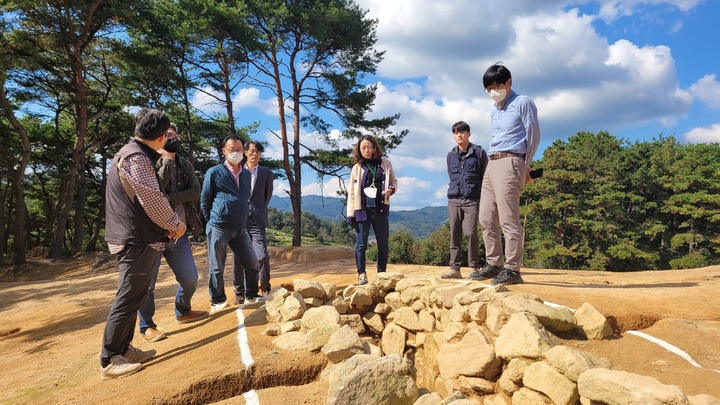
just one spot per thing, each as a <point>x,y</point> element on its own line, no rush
<point>500,155</point>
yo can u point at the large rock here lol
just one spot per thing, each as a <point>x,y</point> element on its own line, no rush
<point>318,337</point>
<point>283,306</point>
<point>291,341</point>
<point>393,339</point>
<point>526,396</point>
<point>523,336</point>
<point>321,316</point>
<point>367,379</point>
<point>309,289</point>
<point>443,296</point>
<point>572,362</point>
<point>343,344</point>
<point>359,298</point>
<point>431,398</point>
<point>338,303</point>
<point>614,387</point>
<point>544,378</point>
<point>473,356</point>
<point>373,322</point>
<point>354,321</point>
<point>408,319</point>
<point>388,281</point>
<point>591,323</point>
<point>555,319</point>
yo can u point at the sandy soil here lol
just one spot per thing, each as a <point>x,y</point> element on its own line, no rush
<point>52,314</point>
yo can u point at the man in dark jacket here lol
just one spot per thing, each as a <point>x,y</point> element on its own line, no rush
<point>224,204</point>
<point>139,220</point>
<point>261,190</point>
<point>466,165</point>
<point>178,180</point>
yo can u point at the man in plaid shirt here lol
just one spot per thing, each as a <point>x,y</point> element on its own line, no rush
<point>138,222</point>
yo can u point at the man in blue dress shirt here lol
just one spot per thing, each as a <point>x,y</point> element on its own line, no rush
<point>515,136</point>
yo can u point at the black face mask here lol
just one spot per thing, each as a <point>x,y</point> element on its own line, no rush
<point>172,145</point>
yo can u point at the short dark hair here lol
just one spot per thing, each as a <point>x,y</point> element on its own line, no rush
<point>496,74</point>
<point>151,124</point>
<point>231,137</point>
<point>460,126</point>
<point>257,145</point>
<point>356,150</point>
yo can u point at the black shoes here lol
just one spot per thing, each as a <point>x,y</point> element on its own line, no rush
<point>489,271</point>
<point>239,299</point>
<point>507,277</point>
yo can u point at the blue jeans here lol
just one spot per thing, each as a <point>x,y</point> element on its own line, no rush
<point>180,259</point>
<point>381,227</point>
<point>245,264</point>
<point>259,244</point>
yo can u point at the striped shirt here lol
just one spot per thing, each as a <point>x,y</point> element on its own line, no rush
<point>140,174</point>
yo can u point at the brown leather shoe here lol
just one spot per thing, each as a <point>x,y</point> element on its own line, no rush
<point>192,316</point>
<point>451,274</point>
<point>153,335</point>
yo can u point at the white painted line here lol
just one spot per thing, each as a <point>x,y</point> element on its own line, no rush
<point>251,398</point>
<point>669,347</point>
<point>551,304</point>
<point>242,339</point>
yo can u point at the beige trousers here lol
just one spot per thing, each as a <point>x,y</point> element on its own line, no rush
<point>500,209</point>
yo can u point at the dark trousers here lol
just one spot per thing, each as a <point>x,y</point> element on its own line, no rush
<point>244,262</point>
<point>259,244</point>
<point>381,227</point>
<point>463,225</point>
<point>136,264</point>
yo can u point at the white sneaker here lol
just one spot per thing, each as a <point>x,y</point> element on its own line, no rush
<point>136,355</point>
<point>119,367</point>
<point>217,307</point>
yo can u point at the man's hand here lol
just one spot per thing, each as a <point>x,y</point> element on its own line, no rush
<point>175,235</point>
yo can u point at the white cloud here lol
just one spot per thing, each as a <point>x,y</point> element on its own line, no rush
<point>250,97</point>
<point>207,101</point>
<point>613,9</point>
<point>707,90</point>
<point>704,135</point>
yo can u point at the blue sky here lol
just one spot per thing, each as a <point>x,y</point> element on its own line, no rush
<point>634,68</point>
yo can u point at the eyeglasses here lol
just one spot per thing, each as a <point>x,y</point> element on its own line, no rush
<point>238,150</point>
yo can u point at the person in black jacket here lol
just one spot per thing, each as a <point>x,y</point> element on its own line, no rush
<point>466,166</point>
<point>261,190</point>
<point>178,179</point>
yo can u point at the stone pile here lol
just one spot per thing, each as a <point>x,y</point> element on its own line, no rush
<point>457,343</point>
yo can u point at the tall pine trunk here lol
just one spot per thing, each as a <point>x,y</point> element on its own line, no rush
<point>18,190</point>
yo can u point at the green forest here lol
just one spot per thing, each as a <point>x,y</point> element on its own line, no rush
<point>71,75</point>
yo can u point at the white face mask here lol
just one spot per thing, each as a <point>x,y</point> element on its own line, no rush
<point>498,95</point>
<point>234,157</point>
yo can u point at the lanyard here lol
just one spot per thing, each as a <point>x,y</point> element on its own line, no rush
<point>373,171</point>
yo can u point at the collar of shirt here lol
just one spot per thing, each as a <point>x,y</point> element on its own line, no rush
<point>507,100</point>
<point>236,176</point>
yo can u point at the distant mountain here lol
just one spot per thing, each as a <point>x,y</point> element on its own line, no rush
<point>420,223</point>
<point>332,208</point>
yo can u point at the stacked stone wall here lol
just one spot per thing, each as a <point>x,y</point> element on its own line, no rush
<point>409,341</point>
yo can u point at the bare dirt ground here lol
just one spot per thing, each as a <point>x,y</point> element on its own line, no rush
<point>52,314</point>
